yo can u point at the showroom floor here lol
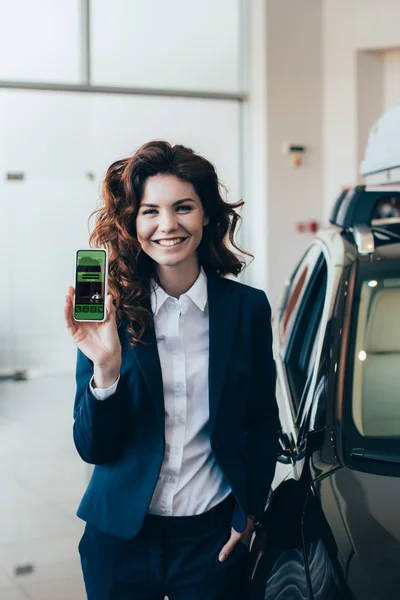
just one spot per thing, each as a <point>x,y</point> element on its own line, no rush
<point>41,481</point>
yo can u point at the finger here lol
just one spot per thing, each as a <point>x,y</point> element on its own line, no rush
<point>227,549</point>
<point>110,306</point>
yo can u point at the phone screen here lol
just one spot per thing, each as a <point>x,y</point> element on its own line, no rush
<point>90,280</point>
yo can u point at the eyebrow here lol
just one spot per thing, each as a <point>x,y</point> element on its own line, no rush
<point>174,204</point>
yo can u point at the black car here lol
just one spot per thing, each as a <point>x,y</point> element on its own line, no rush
<point>331,529</point>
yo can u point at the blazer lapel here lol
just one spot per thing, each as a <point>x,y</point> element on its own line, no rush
<point>223,302</point>
<point>148,359</point>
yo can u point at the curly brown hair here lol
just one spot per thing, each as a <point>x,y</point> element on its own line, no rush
<point>130,270</point>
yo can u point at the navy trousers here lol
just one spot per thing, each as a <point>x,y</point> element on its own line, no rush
<point>171,556</point>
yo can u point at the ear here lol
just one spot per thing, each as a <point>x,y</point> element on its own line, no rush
<point>206,220</point>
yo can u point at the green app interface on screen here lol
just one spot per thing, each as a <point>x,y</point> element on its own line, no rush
<point>90,285</point>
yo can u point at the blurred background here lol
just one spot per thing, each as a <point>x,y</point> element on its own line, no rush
<point>279,94</point>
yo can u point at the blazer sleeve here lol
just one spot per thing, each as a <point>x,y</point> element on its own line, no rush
<point>262,427</point>
<point>98,424</point>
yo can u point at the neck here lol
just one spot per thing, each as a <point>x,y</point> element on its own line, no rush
<point>176,281</point>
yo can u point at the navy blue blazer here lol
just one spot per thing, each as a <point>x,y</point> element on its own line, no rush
<point>124,434</point>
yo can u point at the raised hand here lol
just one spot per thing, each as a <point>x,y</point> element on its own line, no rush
<point>98,341</point>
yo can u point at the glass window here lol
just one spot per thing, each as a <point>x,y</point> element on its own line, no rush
<point>387,208</point>
<point>169,45</point>
<point>376,377</point>
<point>301,347</point>
<point>295,292</point>
<point>40,40</point>
<point>294,297</point>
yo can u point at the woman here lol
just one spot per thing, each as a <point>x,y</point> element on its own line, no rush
<point>175,400</point>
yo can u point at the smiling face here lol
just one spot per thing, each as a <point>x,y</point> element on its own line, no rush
<point>170,221</point>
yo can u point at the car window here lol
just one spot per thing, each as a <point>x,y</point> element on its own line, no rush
<point>294,296</point>
<point>295,293</point>
<point>302,343</point>
<point>387,207</point>
<point>376,373</point>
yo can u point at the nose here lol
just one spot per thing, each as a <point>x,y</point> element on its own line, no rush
<point>168,222</point>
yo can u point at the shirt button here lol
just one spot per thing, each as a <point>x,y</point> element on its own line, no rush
<point>179,385</point>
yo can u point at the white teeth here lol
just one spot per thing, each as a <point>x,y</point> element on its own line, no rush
<point>170,242</point>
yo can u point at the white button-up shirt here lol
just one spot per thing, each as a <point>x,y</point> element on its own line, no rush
<point>190,480</point>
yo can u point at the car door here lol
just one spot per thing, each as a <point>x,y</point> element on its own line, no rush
<point>310,350</point>
<point>324,572</point>
<point>281,568</point>
<point>359,500</point>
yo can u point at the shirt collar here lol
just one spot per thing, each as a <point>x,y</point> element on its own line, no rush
<point>197,293</point>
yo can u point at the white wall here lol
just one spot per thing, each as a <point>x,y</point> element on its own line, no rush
<point>369,96</point>
<point>254,151</point>
<point>348,27</point>
<point>294,113</point>
<point>56,140</point>
<point>63,143</point>
<point>391,77</point>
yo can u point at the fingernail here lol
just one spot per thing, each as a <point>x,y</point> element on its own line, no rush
<point>222,557</point>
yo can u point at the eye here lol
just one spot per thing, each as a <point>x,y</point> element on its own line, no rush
<point>184,207</point>
<point>149,211</point>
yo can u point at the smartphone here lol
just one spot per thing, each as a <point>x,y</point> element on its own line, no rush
<point>91,277</point>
